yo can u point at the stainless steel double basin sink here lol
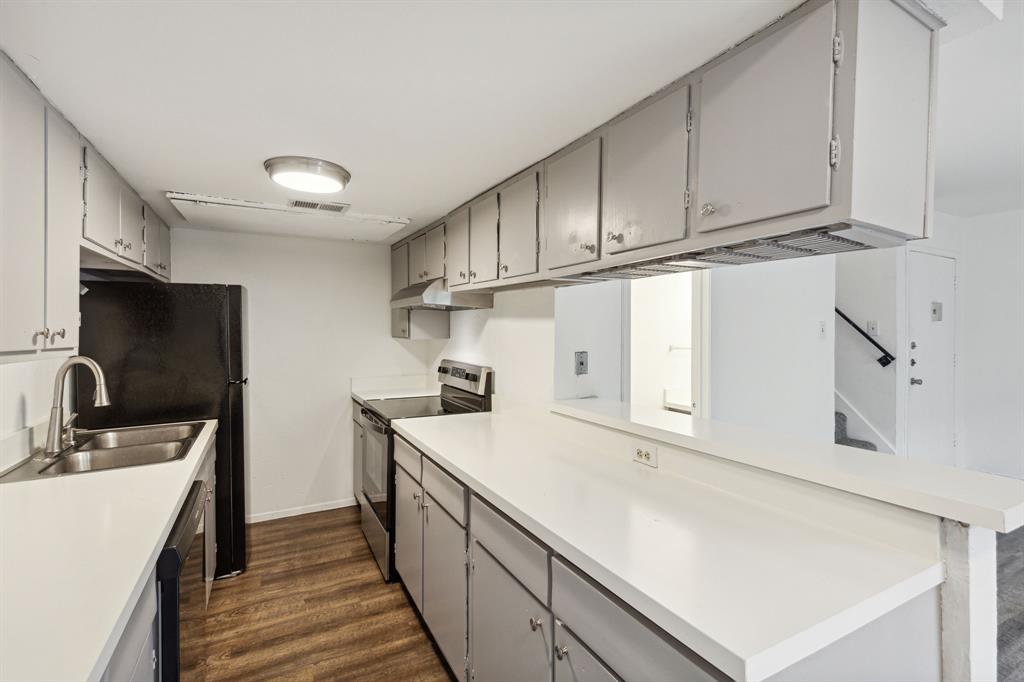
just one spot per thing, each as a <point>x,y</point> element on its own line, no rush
<point>113,449</point>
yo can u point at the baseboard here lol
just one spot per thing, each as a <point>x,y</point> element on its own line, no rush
<point>297,511</point>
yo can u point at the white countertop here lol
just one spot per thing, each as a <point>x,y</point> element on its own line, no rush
<point>402,386</point>
<point>971,497</point>
<point>750,588</point>
<point>75,554</point>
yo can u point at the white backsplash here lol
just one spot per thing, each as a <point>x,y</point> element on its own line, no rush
<point>26,391</point>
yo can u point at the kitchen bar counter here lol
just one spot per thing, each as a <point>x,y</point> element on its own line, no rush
<point>76,552</point>
<point>751,586</point>
<point>971,497</point>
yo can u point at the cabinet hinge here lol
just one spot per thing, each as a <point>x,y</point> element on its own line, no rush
<point>837,49</point>
<point>467,557</point>
<point>689,121</point>
<point>834,150</point>
<point>85,210</point>
<point>687,198</point>
<point>84,172</point>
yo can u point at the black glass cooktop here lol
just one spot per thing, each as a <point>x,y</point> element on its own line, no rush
<point>404,408</point>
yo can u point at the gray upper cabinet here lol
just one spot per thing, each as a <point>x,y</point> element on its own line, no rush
<point>132,225</point>
<point>765,125</point>
<point>63,229</point>
<point>165,250</point>
<point>103,202</point>
<point>574,662</point>
<point>433,264</point>
<point>445,582</point>
<point>22,212</point>
<point>483,239</point>
<point>399,268</point>
<point>645,176</point>
<point>572,205</point>
<point>517,244</point>
<point>158,244</point>
<point>417,259</point>
<point>409,534</point>
<point>511,630</point>
<point>457,247</point>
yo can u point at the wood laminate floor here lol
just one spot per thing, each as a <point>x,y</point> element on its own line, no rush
<point>311,606</point>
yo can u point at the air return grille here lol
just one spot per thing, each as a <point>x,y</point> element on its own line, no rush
<point>329,207</point>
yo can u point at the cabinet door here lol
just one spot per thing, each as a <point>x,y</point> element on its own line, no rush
<point>572,205</point>
<point>22,211</point>
<point>132,243</point>
<point>574,662</point>
<point>764,127</point>
<point>483,240</point>
<point>417,259</point>
<point>409,534</point>
<point>457,247</point>
<point>63,229</point>
<point>444,582</point>
<point>153,240</point>
<point>517,243</point>
<point>645,175</point>
<point>399,268</point>
<point>165,250</point>
<point>434,260</point>
<point>102,202</point>
<point>511,636</point>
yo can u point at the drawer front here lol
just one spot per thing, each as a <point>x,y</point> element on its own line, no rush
<point>524,558</point>
<point>626,644</point>
<point>445,490</point>
<point>408,457</point>
<point>574,662</point>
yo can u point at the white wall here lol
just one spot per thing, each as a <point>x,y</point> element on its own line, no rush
<point>26,394</point>
<point>769,367</point>
<point>589,317</point>
<point>661,315</point>
<point>318,315</point>
<point>516,337</point>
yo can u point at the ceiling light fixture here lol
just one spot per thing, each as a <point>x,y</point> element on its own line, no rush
<point>306,174</point>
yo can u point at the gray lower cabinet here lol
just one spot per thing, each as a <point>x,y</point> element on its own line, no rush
<point>511,630</point>
<point>409,534</point>
<point>357,451</point>
<point>135,656</point>
<point>574,662</point>
<point>445,582</point>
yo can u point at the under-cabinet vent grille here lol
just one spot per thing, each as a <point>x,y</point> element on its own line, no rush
<point>330,207</point>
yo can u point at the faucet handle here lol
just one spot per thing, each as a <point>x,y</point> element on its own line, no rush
<point>73,417</point>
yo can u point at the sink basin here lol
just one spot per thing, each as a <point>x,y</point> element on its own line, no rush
<point>101,449</point>
<point>94,459</point>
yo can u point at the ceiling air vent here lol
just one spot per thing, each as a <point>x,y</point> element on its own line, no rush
<point>328,206</point>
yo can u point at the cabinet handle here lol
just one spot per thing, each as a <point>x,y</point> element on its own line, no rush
<point>561,651</point>
<point>472,275</point>
<point>462,274</point>
<point>45,333</point>
<point>916,382</point>
<point>536,623</point>
<point>62,333</point>
<point>504,268</point>
<point>592,248</point>
<point>613,237</point>
<point>706,210</point>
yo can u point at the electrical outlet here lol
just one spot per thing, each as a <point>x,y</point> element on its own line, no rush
<point>646,454</point>
<point>582,362</point>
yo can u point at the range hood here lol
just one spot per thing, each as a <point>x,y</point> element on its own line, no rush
<point>435,296</point>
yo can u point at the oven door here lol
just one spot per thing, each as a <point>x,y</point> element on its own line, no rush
<point>375,466</point>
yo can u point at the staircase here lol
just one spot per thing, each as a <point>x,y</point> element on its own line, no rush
<point>843,439</point>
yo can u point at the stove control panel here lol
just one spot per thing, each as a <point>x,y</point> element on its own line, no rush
<point>475,378</point>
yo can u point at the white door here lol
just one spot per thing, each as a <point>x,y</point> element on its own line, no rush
<point>103,202</point>
<point>132,246</point>
<point>63,229</point>
<point>931,417</point>
<point>165,250</point>
<point>457,248</point>
<point>399,268</point>
<point>152,239</point>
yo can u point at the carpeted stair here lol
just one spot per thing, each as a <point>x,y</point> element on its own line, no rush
<point>842,438</point>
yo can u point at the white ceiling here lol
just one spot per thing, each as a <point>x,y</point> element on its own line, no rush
<point>426,103</point>
<point>979,138</point>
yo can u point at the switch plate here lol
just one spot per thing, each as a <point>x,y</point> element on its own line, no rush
<point>822,330</point>
<point>582,362</point>
<point>872,326</point>
<point>646,454</point>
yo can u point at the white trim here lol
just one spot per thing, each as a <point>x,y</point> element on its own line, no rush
<point>297,511</point>
<point>700,363</point>
<point>968,603</point>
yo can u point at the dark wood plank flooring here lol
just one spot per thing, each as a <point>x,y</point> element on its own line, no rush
<point>311,606</point>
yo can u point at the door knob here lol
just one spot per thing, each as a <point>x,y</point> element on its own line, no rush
<point>588,247</point>
<point>561,651</point>
<point>462,274</point>
<point>536,623</point>
<point>913,345</point>
<point>62,333</point>
<point>916,382</point>
<point>706,210</point>
<point>913,362</point>
<point>613,237</point>
<point>504,268</point>
<point>472,275</point>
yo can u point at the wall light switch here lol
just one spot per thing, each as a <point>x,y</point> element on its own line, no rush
<point>872,326</point>
<point>582,362</point>
<point>822,330</point>
<point>646,454</point>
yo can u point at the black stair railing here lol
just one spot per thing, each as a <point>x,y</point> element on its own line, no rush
<point>886,358</point>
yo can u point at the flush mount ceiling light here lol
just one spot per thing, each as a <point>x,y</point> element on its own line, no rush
<point>306,174</point>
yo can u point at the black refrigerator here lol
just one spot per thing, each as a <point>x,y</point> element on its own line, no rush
<point>174,352</point>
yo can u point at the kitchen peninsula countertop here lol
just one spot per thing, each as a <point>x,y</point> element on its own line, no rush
<point>680,549</point>
<point>76,552</point>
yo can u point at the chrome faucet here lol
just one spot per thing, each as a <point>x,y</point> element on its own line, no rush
<point>56,430</point>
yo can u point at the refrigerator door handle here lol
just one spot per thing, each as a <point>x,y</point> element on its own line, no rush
<point>239,381</point>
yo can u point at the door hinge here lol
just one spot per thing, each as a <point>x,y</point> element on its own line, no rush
<point>837,49</point>
<point>834,150</point>
<point>687,198</point>
<point>689,120</point>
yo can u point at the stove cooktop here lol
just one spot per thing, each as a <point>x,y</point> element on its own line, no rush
<point>405,408</point>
